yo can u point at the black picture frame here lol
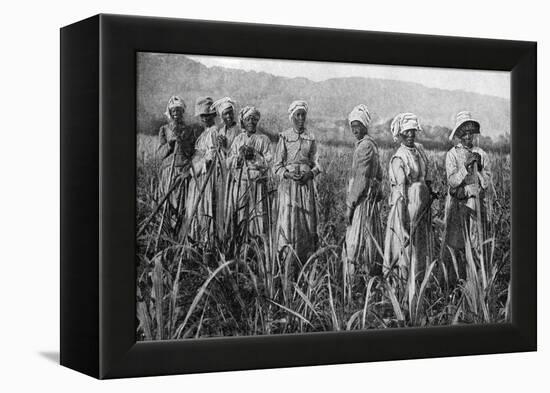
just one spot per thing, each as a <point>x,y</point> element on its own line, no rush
<point>98,171</point>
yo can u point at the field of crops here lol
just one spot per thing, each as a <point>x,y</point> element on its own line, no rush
<point>237,290</point>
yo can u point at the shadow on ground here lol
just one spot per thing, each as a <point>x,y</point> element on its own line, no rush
<point>52,356</point>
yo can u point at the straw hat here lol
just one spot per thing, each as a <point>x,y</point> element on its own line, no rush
<point>203,106</point>
<point>465,122</point>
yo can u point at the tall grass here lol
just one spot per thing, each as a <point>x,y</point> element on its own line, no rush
<point>242,287</point>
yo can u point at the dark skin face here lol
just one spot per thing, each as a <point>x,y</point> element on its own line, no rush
<point>299,120</point>
<point>208,119</point>
<point>408,137</point>
<point>228,117</point>
<point>467,139</point>
<point>250,124</point>
<point>358,129</point>
<point>176,114</point>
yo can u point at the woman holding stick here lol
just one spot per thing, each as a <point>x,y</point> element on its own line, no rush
<point>408,246</point>
<point>227,132</point>
<point>205,194</point>
<point>297,164</point>
<point>468,178</point>
<point>247,207</point>
<point>176,146</point>
<point>364,232</point>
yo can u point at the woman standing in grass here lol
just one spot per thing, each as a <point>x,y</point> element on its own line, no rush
<point>247,206</point>
<point>296,164</point>
<point>364,232</point>
<point>175,149</point>
<point>468,178</point>
<point>203,205</point>
<point>408,245</point>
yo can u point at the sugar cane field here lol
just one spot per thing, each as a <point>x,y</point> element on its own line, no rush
<point>241,288</point>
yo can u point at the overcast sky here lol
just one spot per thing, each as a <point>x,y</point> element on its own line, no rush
<point>496,83</point>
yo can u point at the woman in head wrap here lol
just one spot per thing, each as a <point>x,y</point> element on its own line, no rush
<point>247,206</point>
<point>296,164</point>
<point>175,149</point>
<point>409,236</point>
<point>225,107</point>
<point>205,200</point>
<point>468,178</point>
<point>364,231</point>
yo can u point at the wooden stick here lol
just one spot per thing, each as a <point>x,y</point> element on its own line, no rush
<point>480,228</point>
<point>251,199</point>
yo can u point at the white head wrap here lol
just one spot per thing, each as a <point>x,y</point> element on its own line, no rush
<point>360,113</point>
<point>246,112</point>
<point>295,106</point>
<point>403,122</point>
<point>174,102</point>
<point>222,104</point>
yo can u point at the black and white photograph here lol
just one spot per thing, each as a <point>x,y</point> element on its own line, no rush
<point>277,197</point>
<point>290,197</point>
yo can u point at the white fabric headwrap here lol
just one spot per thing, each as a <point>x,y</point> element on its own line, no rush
<point>360,113</point>
<point>222,104</point>
<point>174,102</point>
<point>246,112</point>
<point>403,122</point>
<point>295,106</point>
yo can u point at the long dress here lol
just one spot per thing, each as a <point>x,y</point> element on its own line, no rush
<point>461,209</point>
<point>364,235</point>
<point>230,133</point>
<point>206,189</point>
<point>408,246</point>
<point>186,139</point>
<point>247,194</point>
<point>297,211</point>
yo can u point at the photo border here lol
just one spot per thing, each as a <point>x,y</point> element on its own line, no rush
<point>109,349</point>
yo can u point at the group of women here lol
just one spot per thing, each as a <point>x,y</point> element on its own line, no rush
<point>224,176</point>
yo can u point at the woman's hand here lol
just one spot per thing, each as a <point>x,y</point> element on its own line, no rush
<point>469,161</point>
<point>305,177</point>
<point>295,176</point>
<point>433,195</point>
<point>478,160</point>
<point>287,175</point>
<point>474,158</point>
<point>472,190</point>
<point>240,161</point>
<point>249,153</point>
<point>222,141</point>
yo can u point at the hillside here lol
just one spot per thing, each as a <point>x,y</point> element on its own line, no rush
<point>162,75</point>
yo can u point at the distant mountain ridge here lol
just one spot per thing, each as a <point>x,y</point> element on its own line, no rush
<point>163,75</point>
